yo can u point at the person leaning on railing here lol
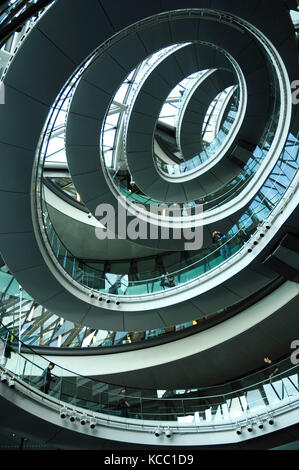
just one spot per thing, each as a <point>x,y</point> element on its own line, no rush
<point>47,378</point>
<point>167,281</point>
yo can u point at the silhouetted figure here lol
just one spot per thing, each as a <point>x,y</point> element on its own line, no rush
<point>220,239</point>
<point>242,235</point>
<point>47,378</point>
<point>167,281</point>
<point>122,403</point>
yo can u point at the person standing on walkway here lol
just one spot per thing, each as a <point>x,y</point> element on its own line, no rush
<point>122,403</point>
<point>47,378</point>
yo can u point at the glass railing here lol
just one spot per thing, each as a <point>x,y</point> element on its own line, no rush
<point>39,327</point>
<point>95,280</point>
<point>261,392</point>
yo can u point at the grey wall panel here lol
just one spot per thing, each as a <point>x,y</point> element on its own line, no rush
<point>192,192</point>
<point>142,160</point>
<point>210,184</point>
<point>140,143</point>
<point>223,35</point>
<point>288,51</point>
<point>283,269</point>
<point>104,198</point>
<point>15,210</point>
<point>208,58</point>
<point>186,60</point>
<point>156,86</point>
<point>171,73</point>
<point>149,99</point>
<point>172,316</point>
<point>289,257</point>
<point>121,14</point>
<point>160,190</point>
<point>194,148</point>
<point>141,122</point>
<point>178,32</point>
<point>168,5</point>
<point>129,52</point>
<point>80,239</point>
<point>251,58</point>
<point>41,285</point>
<point>216,298</point>
<point>156,37</point>
<point>222,79</point>
<point>87,98</point>
<point>247,282</point>
<point>261,102</point>
<point>261,269</point>
<point>174,192</point>
<point>92,191</point>
<point>196,113</point>
<point>53,67</point>
<point>16,117</point>
<point>147,178</point>
<point>104,318</point>
<point>242,154</point>
<point>148,105</point>
<point>225,172</point>
<point>83,131</point>
<point>83,160</point>
<point>109,81</point>
<point>254,82</point>
<point>70,306</point>
<point>252,129</point>
<point>12,245</point>
<point>136,319</point>
<point>15,158</point>
<point>247,10</point>
<point>278,34</point>
<point>276,25</point>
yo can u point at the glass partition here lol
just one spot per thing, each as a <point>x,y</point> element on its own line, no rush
<point>210,148</point>
<point>252,395</point>
<point>39,327</point>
